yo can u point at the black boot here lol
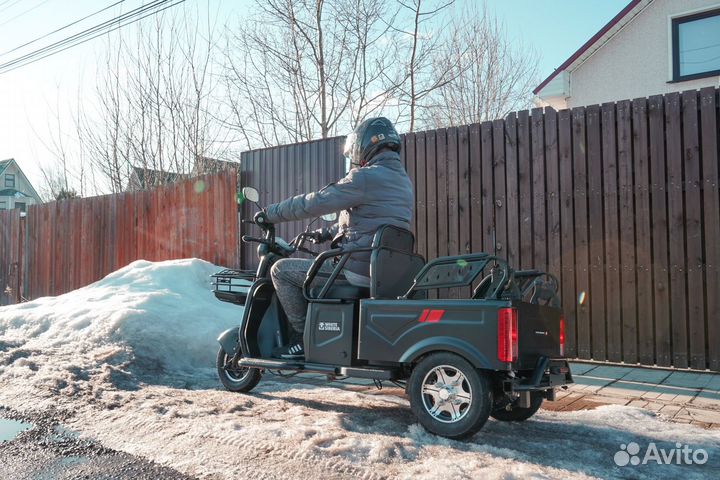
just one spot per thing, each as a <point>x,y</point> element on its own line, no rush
<point>293,350</point>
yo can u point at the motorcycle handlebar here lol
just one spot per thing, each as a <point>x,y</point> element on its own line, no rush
<point>248,239</point>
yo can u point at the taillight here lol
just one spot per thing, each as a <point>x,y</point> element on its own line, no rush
<point>507,335</point>
<point>562,336</point>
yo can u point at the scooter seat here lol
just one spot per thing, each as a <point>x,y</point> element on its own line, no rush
<point>346,292</point>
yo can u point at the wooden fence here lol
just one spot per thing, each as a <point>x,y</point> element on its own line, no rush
<point>285,171</point>
<point>619,200</point>
<point>64,245</point>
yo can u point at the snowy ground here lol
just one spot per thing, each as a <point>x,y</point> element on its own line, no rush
<point>129,362</point>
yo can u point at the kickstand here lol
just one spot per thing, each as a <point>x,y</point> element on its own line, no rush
<point>378,383</point>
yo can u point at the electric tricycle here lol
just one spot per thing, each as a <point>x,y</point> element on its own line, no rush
<point>497,353</point>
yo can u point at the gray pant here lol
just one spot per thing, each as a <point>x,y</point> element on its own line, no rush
<point>288,276</point>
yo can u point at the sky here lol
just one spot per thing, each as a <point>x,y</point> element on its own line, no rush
<point>32,96</point>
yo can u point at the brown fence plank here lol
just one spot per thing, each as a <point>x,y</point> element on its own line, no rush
<point>676,219</point>
<point>552,196</point>
<point>596,293</point>
<point>512,191</point>
<point>499,198</point>
<point>693,229</point>
<point>613,312</point>
<point>659,231</point>
<point>539,209</point>
<point>475,161</point>
<point>488,202</point>
<point>643,235</point>
<point>628,264</point>
<point>567,233</point>
<point>711,211</point>
<point>464,192</point>
<point>525,189</point>
<point>421,232</point>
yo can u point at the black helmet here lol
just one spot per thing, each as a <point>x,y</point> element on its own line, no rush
<point>368,138</point>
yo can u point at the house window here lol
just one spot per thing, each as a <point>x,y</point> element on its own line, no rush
<point>696,46</point>
<point>9,180</point>
<point>3,205</point>
<point>20,205</point>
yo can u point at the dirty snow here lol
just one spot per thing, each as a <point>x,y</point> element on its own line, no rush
<point>130,360</point>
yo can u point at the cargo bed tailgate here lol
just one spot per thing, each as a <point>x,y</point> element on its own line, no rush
<point>538,333</point>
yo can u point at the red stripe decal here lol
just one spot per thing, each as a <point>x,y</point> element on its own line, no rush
<point>435,316</point>
<point>424,315</point>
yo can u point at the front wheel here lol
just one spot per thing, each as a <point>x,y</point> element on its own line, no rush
<point>449,396</point>
<point>234,377</point>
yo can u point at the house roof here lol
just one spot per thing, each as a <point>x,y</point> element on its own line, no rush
<point>6,163</point>
<point>598,40</point>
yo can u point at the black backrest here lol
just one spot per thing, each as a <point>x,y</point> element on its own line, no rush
<point>393,265</point>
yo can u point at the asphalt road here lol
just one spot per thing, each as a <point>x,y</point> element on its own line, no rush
<point>47,451</point>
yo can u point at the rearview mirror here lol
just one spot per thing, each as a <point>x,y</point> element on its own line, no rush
<point>330,217</point>
<point>251,194</point>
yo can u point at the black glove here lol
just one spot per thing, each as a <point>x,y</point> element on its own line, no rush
<point>318,236</point>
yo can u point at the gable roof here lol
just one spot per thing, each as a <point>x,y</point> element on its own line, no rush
<point>4,164</point>
<point>624,17</point>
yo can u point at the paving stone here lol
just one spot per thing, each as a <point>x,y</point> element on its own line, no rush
<point>688,380</point>
<point>700,415</point>
<point>714,383</point>
<point>613,400</point>
<point>638,403</point>
<point>646,375</point>
<point>621,391</point>
<point>707,398</point>
<point>591,383</point>
<point>581,368</point>
<point>634,389</point>
<point>654,406</point>
<point>668,393</point>
<point>670,410</point>
<point>609,372</point>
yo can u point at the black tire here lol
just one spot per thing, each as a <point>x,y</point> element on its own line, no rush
<point>236,379</point>
<point>471,416</point>
<point>519,414</point>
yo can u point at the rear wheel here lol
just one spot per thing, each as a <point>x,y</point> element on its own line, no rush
<point>234,377</point>
<point>449,396</point>
<point>519,414</point>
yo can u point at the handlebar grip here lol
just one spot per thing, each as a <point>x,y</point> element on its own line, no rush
<point>248,239</point>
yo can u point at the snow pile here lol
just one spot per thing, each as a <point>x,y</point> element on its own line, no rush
<point>148,321</point>
<point>117,357</point>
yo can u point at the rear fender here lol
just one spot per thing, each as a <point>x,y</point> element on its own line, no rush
<point>229,340</point>
<point>446,344</point>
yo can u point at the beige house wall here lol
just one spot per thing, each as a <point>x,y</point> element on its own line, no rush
<point>636,61</point>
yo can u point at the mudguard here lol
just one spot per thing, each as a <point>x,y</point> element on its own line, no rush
<point>229,340</point>
<point>447,344</point>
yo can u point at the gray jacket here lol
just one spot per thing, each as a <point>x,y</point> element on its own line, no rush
<point>380,193</point>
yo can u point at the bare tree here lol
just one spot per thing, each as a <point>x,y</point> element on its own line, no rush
<point>489,76</point>
<point>153,104</point>
<point>424,38</point>
<point>303,69</point>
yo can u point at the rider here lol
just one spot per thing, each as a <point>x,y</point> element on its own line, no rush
<point>375,192</point>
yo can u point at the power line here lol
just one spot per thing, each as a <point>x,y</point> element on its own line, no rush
<point>85,36</point>
<point>23,13</point>
<point>11,5</point>
<point>61,28</point>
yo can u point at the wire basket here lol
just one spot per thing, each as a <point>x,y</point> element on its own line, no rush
<point>232,286</point>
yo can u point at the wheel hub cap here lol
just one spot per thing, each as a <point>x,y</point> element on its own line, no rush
<point>446,394</point>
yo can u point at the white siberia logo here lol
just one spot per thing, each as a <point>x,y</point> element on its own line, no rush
<point>329,326</point>
<point>680,455</point>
